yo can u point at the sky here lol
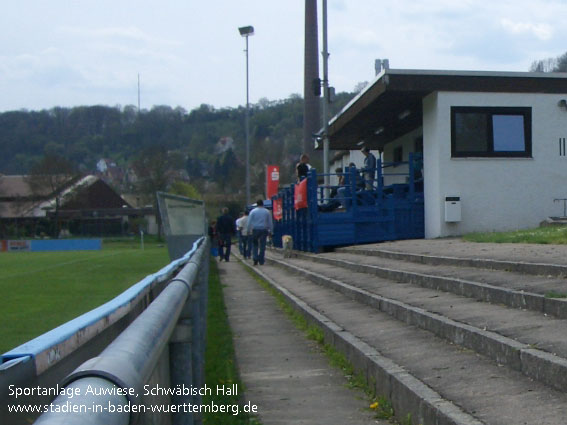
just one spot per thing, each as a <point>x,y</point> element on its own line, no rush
<point>188,53</point>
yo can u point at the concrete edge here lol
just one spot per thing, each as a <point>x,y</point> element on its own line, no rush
<point>481,291</point>
<point>537,364</point>
<point>556,270</point>
<point>406,393</point>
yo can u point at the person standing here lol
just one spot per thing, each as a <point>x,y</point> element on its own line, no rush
<point>260,225</point>
<point>225,230</point>
<point>246,237</point>
<point>369,169</point>
<point>214,238</point>
<point>239,233</point>
<point>302,167</point>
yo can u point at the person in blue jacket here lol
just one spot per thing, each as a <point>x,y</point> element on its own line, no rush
<point>259,225</point>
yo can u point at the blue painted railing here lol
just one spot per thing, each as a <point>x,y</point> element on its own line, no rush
<point>154,332</point>
<point>355,215</point>
<point>108,313</point>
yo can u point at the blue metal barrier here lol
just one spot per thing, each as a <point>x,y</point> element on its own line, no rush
<point>356,214</point>
<point>163,345</point>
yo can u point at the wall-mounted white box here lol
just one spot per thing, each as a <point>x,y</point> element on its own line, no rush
<point>452,209</point>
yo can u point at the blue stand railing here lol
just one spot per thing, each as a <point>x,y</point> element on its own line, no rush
<point>356,213</point>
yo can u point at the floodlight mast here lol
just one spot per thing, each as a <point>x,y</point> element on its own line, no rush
<point>247,32</point>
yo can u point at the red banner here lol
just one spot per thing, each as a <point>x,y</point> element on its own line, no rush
<point>272,180</point>
<point>300,198</point>
<point>278,209</point>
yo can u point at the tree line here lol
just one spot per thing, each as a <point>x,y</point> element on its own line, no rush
<point>206,145</point>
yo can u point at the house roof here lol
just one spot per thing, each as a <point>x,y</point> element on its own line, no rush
<point>391,105</point>
<point>17,199</point>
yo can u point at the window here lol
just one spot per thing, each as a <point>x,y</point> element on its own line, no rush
<point>491,132</point>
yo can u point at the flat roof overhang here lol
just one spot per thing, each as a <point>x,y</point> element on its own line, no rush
<point>391,105</point>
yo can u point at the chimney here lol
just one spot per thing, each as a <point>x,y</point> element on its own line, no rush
<point>381,64</point>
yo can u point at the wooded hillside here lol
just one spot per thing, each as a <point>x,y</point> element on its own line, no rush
<point>205,146</point>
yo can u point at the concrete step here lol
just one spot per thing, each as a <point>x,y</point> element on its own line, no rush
<point>536,259</point>
<point>514,289</point>
<point>525,341</point>
<point>471,387</point>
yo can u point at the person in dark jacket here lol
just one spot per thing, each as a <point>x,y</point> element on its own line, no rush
<point>225,230</point>
<point>302,167</point>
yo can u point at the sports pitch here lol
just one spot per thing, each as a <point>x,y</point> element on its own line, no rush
<point>41,290</point>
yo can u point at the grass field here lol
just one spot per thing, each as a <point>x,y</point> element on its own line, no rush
<point>540,235</point>
<point>41,290</point>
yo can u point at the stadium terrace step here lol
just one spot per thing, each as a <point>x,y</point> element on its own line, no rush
<point>506,345</point>
<point>491,363</point>
<point>534,261</point>
<point>513,289</point>
<point>407,393</point>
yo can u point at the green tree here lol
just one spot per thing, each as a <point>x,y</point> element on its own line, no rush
<point>152,167</point>
<point>185,189</point>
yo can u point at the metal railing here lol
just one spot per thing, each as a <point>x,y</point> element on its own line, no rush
<point>149,374</point>
<point>389,206</point>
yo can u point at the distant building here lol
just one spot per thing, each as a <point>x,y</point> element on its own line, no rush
<point>111,173</point>
<point>224,144</point>
<point>87,206</point>
<point>104,164</point>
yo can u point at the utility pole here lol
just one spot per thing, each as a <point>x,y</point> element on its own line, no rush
<point>326,100</point>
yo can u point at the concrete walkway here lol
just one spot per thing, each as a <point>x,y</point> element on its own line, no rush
<point>284,374</point>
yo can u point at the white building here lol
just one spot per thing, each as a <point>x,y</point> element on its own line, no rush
<point>494,144</point>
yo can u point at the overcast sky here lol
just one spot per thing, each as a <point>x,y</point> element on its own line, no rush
<point>189,52</point>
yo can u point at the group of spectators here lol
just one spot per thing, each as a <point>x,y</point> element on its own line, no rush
<point>252,230</point>
<point>339,195</point>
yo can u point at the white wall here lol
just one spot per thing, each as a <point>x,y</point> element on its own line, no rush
<point>353,156</point>
<point>407,142</point>
<point>496,193</point>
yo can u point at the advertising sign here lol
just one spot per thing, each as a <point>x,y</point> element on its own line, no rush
<point>272,180</point>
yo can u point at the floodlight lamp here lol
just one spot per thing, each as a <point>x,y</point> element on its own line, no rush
<point>246,31</point>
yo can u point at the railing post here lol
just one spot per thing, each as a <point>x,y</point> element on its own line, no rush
<point>353,182</point>
<point>312,212</point>
<point>411,191</point>
<point>380,178</point>
<point>294,220</point>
